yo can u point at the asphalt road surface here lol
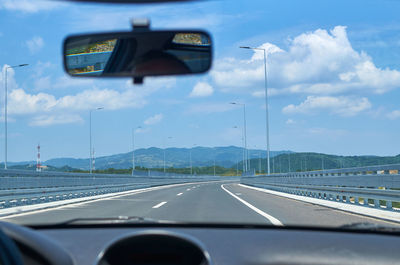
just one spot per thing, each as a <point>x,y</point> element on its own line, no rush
<point>202,203</point>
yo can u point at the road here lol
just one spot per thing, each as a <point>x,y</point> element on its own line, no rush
<point>199,203</point>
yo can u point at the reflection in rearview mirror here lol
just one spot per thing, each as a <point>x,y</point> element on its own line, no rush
<point>138,54</point>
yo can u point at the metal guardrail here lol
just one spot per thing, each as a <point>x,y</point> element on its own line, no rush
<point>22,187</point>
<point>377,186</point>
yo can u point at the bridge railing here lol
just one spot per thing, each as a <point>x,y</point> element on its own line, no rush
<point>377,186</point>
<point>22,187</point>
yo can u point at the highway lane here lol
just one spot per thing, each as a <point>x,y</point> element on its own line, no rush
<point>206,202</point>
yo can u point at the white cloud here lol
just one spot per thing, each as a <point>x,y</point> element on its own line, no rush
<point>21,102</point>
<point>290,122</point>
<point>320,62</point>
<point>153,119</point>
<point>35,44</point>
<point>208,108</point>
<point>142,130</point>
<point>201,89</point>
<point>40,67</point>
<point>395,114</point>
<point>343,106</point>
<point>330,133</point>
<point>28,6</point>
<point>42,83</point>
<point>46,120</point>
<point>45,109</point>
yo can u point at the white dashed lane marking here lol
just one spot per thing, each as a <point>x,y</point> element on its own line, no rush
<point>159,205</point>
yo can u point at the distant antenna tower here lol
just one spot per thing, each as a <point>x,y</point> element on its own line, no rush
<point>93,161</point>
<point>38,166</point>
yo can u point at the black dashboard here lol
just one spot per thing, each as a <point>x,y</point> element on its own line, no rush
<point>190,244</point>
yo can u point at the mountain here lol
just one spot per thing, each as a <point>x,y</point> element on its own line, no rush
<point>227,157</point>
<point>154,157</point>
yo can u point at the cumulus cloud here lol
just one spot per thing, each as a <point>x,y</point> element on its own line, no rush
<point>320,62</point>
<point>28,6</point>
<point>343,106</point>
<point>46,109</point>
<point>35,44</point>
<point>327,132</point>
<point>46,120</point>
<point>42,83</point>
<point>21,102</point>
<point>208,108</point>
<point>290,122</point>
<point>154,119</point>
<point>201,89</point>
<point>395,114</point>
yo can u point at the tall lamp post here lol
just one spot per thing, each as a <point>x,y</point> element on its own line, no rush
<point>90,136</point>
<point>245,134</point>
<point>190,157</point>
<point>236,127</point>
<point>266,99</point>
<point>164,151</point>
<point>5,110</point>
<point>133,149</point>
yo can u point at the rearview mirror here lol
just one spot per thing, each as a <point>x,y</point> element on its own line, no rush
<point>138,54</point>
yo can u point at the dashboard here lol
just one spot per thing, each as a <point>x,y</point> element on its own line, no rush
<point>188,244</point>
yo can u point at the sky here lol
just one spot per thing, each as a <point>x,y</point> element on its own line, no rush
<point>333,79</point>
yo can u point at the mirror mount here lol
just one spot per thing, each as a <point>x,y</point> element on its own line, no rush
<point>140,24</point>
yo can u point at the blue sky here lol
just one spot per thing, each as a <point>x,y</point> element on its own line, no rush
<point>333,67</point>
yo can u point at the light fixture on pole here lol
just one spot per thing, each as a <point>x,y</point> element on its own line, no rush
<point>90,137</point>
<point>246,168</point>
<point>133,149</point>
<point>243,158</point>
<point>164,151</point>
<point>190,157</point>
<point>5,111</point>
<point>266,99</point>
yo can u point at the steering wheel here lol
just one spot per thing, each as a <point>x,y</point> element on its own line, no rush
<point>9,253</point>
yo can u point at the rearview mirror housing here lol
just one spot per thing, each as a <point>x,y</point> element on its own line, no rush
<point>138,54</point>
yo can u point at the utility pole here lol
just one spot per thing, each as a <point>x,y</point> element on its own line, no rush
<point>5,112</point>
<point>266,101</point>
<point>133,149</point>
<point>90,137</point>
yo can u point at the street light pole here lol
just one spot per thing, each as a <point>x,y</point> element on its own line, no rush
<point>133,149</point>
<point>245,135</point>
<point>243,158</point>
<point>90,137</point>
<point>164,151</point>
<point>191,166</point>
<point>266,101</point>
<point>214,162</point>
<point>5,111</point>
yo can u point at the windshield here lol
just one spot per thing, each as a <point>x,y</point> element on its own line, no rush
<point>319,148</point>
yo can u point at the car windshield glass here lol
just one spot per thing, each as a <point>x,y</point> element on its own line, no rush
<point>295,124</point>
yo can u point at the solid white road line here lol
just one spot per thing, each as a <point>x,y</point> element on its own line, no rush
<point>368,212</point>
<point>179,194</point>
<point>159,205</point>
<point>270,218</point>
